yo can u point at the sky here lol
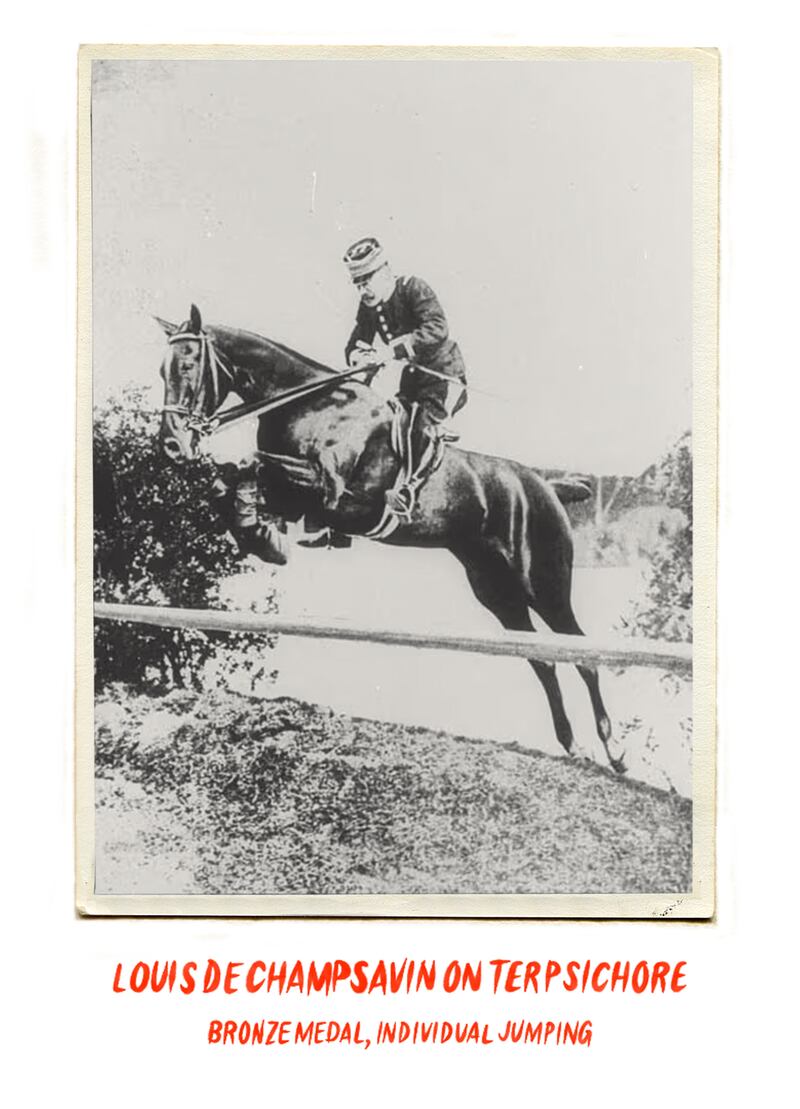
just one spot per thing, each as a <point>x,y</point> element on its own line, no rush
<point>548,203</point>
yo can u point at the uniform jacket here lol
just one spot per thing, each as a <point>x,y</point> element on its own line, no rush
<point>412,323</point>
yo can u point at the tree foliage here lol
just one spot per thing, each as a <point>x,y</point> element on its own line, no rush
<point>157,541</point>
<point>666,611</point>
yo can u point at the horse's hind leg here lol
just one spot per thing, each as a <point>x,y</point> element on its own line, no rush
<point>561,619</point>
<point>495,586</point>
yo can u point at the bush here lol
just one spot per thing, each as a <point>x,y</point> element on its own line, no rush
<point>666,611</point>
<point>157,541</point>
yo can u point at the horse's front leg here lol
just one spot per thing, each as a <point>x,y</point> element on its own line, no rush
<point>330,464</point>
<point>235,499</point>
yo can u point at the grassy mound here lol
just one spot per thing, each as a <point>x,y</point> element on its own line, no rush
<point>218,793</point>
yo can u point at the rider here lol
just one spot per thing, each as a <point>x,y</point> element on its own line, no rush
<point>401,317</point>
<point>398,318</point>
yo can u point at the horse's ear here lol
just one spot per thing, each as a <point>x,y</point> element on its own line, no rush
<point>195,323</point>
<point>169,328</point>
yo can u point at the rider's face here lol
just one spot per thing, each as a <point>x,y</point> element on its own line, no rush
<point>375,287</point>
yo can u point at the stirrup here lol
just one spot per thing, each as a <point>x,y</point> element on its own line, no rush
<point>401,501</point>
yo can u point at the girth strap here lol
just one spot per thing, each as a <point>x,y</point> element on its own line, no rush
<point>407,479</point>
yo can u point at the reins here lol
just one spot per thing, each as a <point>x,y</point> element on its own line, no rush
<point>215,363</point>
<point>259,407</point>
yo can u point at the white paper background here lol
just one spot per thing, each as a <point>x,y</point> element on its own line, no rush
<point>730,1032</point>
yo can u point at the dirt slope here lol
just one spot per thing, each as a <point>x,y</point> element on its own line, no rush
<point>217,793</point>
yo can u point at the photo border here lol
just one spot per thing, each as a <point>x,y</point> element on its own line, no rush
<point>699,903</point>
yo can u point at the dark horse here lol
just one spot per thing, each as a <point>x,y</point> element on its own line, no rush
<point>334,460</point>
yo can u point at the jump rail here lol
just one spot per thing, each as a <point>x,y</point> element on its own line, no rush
<point>547,647</point>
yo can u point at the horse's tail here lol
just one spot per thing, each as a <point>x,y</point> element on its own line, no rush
<point>571,490</point>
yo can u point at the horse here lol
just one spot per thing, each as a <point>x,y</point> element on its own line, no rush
<point>331,448</point>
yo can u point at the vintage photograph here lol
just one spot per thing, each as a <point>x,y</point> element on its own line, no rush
<point>397,482</point>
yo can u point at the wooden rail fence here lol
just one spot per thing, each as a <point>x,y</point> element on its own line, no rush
<point>546,646</point>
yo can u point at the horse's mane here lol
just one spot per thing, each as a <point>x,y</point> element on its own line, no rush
<point>235,335</point>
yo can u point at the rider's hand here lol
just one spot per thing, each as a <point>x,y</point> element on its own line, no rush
<point>386,354</point>
<point>363,355</point>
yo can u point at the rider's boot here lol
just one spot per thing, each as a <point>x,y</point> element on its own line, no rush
<point>422,440</point>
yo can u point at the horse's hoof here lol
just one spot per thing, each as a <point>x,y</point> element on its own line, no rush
<point>567,743</point>
<point>265,542</point>
<point>314,542</point>
<point>618,765</point>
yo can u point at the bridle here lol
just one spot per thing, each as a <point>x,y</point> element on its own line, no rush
<point>212,365</point>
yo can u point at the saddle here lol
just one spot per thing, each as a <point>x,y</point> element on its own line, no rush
<point>401,498</point>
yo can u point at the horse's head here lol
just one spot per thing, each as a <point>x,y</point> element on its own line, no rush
<point>196,382</point>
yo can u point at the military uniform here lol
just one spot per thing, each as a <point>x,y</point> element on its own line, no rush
<point>412,324</point>
<point>405,314</point>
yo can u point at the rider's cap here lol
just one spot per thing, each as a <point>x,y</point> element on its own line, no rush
<point>364,257</point>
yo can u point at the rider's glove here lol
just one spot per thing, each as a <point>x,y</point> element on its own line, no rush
<point>363,356</point>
